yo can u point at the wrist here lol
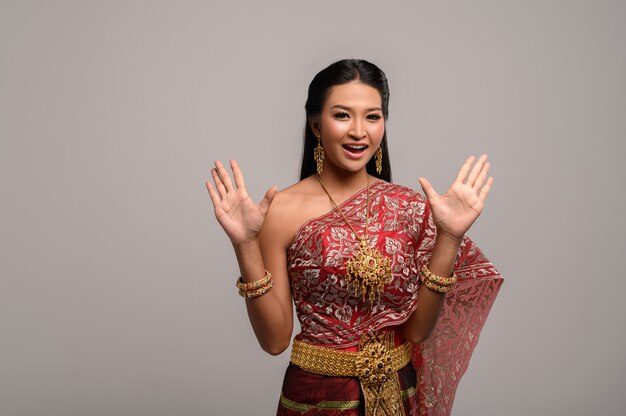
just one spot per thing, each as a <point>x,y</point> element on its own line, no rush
<point>448,240</point>
<point>246,244</point>
<point>444,254</point>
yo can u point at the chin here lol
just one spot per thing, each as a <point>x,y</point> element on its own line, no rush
<point>353,168</point>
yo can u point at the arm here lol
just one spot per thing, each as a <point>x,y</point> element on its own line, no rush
<point>429,302</point>
<point>255,238</point>
<point>453,214</point>
<point>271,315</point>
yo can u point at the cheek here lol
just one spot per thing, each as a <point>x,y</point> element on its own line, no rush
<point>335,128</point>
<point>377,131</point>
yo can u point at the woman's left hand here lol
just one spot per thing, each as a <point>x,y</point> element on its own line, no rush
<point>455,211</point>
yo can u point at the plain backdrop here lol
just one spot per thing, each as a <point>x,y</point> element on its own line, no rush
<point>117,292</point>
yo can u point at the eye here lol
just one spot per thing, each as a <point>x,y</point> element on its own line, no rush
<point>374,117</point>
<point>341,115</point>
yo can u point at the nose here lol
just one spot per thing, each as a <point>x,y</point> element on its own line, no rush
<point>357,130</point>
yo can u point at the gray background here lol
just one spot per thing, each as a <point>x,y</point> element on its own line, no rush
<point>117,288</point>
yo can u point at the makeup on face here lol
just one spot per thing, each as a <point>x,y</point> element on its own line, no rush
<point>352,125</point>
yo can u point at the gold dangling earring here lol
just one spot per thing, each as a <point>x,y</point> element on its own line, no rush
<point>379,160</point>
<point>318,156</point>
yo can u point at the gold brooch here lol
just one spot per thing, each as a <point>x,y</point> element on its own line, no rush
<point>368,271</point>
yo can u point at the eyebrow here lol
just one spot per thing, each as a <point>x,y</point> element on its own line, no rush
<point>343,107</point>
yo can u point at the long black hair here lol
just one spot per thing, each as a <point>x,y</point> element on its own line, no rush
<point>342,72</point>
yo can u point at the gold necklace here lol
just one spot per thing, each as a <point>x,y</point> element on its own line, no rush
<point>368,270</point>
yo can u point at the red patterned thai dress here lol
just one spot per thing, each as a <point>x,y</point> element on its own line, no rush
<point>332,315</point>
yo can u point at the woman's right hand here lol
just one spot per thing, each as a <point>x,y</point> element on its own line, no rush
<point>236,212</point>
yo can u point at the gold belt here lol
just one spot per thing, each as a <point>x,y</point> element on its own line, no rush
<point>375,364</point>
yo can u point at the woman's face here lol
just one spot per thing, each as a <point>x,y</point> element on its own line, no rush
<point>351,126</point>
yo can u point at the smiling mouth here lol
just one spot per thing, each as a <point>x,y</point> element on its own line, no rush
<point>355,149</point>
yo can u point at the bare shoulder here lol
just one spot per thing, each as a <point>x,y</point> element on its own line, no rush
<point>296,195</point>
<point>292,207</point>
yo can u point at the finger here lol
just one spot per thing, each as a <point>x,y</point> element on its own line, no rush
<point>218,183</point>
<point>215,198</point>
<point>264,205</point>
<point>481,176</point>
<point>476,170</point>
<point>482,195</point>
<point>429,191</point>
<point>238,175</point>
<point>464,169</point>
<point>221,170</point>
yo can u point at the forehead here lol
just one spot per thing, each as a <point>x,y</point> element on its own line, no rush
<point>354,94</point>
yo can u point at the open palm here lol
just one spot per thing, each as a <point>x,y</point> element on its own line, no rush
<point>455,211</point>
<point>236,212</point>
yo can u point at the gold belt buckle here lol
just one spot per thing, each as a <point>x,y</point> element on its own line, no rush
<point>374,362</point>
<point>379,382</point>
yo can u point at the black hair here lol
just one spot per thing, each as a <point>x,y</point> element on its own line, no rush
<point>342,72</point>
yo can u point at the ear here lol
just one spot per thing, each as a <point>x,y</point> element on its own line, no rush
<point>314,123</point>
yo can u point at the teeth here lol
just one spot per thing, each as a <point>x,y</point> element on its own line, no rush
<point>355,147</point>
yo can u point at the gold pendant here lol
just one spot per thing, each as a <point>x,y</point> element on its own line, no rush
<point>368,271</point>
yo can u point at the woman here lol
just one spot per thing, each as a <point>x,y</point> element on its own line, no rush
<point>369,264</point>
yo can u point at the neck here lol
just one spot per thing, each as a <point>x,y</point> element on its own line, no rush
<point>345,183</point>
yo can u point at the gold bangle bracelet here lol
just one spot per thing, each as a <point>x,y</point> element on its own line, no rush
<point>251,294</point>
<point>430,276</point>
<point>256,284</point>
<point>257,288</point>
<point>436,287</point>
<point>437,283</point>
